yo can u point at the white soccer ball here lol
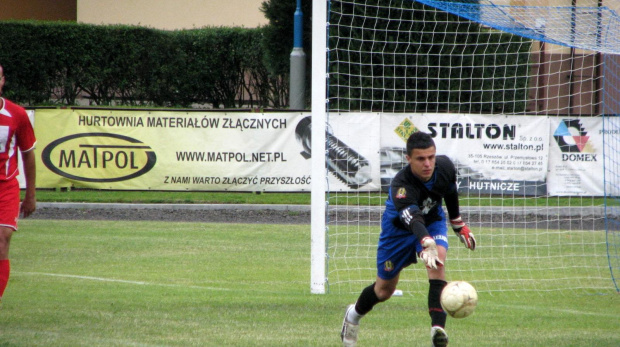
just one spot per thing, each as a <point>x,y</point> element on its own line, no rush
<point>459,299</point>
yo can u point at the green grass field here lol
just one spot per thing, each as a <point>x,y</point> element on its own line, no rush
<point>85,283</point>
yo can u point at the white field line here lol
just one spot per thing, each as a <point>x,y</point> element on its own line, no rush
<point>86,340</point>
<point>142,283</point>
<point>558,310</point>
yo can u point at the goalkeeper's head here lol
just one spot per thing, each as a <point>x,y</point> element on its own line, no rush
<point>419,140</point>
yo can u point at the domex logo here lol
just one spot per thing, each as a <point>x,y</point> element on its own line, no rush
<point>573,140</point>
<point>98,157</point>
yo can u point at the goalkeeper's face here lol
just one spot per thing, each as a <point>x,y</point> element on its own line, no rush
<point>422,162</point>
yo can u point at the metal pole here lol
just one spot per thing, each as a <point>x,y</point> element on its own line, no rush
<point>297,87</point>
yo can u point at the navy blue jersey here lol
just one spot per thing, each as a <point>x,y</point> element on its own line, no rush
<point>423,200</point>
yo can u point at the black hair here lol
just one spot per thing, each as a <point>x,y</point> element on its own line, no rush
<point>419,140</point>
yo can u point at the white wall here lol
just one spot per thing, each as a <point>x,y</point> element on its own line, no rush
<point>172,14</point>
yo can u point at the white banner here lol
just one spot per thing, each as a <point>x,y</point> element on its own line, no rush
<point>352,145</point>
<point>493,154</point>
<point>576,156</point>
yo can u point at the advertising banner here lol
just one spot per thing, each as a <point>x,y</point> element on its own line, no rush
<point>224,151</point>
<point>163,150</point>
<point>576,157</point>
<point>200,151</point>
<point>353,145</point>
<point>493,154</point>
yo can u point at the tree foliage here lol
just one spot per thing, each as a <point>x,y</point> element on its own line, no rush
<point>279,35</point>
<point>416,59</point>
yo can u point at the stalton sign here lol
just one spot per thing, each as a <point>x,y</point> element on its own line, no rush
<point>98,157</point>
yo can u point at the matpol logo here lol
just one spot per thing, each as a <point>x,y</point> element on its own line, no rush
<point>98,157</point>
<point>574,142</point>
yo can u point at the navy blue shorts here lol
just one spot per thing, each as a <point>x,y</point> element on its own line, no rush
<point>399,248</point>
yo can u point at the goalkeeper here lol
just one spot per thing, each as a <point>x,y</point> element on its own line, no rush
<point>414,225</point>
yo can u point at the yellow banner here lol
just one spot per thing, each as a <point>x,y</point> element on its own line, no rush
<point>167,150</point>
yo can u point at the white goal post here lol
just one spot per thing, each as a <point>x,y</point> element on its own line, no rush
<point>523,96</point>
<point>318,276</point>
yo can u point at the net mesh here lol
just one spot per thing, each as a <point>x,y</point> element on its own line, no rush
<point>589,26</point>
<point>442,59</point>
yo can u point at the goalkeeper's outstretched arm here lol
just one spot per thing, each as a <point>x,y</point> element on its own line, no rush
<point>452,202</point>
<point>457,223</point>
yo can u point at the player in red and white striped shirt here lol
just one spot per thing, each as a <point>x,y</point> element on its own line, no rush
<point>16,134</point>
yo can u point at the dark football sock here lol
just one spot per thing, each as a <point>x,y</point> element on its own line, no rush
<point>367,300</point>
<point>438,315</point>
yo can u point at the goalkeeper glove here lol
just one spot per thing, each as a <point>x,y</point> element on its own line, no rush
<point>429,253</point>
<point>463,232</point>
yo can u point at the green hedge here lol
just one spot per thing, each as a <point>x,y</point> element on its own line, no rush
<point>55,63</point>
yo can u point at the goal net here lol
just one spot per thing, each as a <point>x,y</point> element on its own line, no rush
<point>523,96</point>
